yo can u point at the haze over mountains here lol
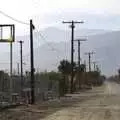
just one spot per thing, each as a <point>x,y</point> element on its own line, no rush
<point>104,43</point>
<point>55,46</point>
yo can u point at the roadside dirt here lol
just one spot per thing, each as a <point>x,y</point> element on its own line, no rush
<point>100,103</point>
<point>103,103</point>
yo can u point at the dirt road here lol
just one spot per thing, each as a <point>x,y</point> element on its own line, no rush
<point>102,103</point>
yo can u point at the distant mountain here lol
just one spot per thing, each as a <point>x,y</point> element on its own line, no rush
<point>51,34</point>
<point>105,44</point>
<point>56,44</point>
<point>107,50</point>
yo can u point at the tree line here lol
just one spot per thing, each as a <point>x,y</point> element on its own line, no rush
<point>82,79</point>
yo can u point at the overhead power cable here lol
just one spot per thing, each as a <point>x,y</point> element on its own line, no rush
<point>12,18</point>
<point>44,39</point>
<point>40,36</point>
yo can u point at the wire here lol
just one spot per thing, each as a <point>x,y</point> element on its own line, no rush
<point>12,18</point>
<point>19,21</point>
<point>43,38</point>
<point>49,45</point>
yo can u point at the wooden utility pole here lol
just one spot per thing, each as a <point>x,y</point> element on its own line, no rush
<point>94,65</point>
<point>89,56</point>
<point>11,49</point>
<point>79,55</point>
<point>11,60</point>
<point>85,66</point>
<point>11,67</point>
<point>18,67</point>
<point>21,64</point>
<point>72,48</point>
<point>79,58</point>
<point>32,64</point>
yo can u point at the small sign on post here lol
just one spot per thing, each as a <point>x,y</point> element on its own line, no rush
<point>7,35</point>
<point>7,32</point>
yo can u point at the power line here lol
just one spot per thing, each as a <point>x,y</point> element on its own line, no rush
<point>12,18</point>
<point>44,39</point>
<point>49,45</point>
<point>40,36</point>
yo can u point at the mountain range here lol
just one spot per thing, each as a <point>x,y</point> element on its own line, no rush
<point>53,44</point>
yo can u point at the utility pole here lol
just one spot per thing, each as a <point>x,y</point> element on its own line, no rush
<point>11,60</point>
<point>32,63</point>
<point>21,64</point>
<point>79,55</point>
<point>85,66</point>
<point>89,56</point>
<point>94,65</point>
<point>18,68</point>
<point>79,58</point>
<point>11,68</point>
<point>97,68</point>
<point>11,56</point>
<point>72,26</point>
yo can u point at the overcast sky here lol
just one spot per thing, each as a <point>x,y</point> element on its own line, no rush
<point>100,14</point>
<point>97,14</point>
<point>25,8</point>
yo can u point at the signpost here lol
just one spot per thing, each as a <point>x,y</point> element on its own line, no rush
<point>7,35</point>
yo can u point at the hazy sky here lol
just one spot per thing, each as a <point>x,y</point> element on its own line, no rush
<point>101,14</point>
<point>97,14</point>
<point>25,8</point>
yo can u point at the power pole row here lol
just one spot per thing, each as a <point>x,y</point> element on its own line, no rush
<point>89,56</point>
<point>72,47</point>
<point>95,65</point>
<point>31,64</point>
<point>18,68</point>
<point>79,57</point>
<point>21,63</point>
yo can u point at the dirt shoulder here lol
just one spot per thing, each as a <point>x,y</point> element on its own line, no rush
<point>88,105</point>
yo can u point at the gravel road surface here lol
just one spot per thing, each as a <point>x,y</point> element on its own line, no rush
<point>100,103</point>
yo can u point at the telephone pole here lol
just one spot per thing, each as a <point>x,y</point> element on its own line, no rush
<point>79,55</point>
<point>32,63</point>
<point>21,63</point>
<point>18,67</point>
<point>72,26</point>
<point>11,66</point>
<point>85,66</point>
<point>98,68</point>
<point>79,58</point>
<point>89,56</point>
<point>11,58</point>
<point>94,65</point>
